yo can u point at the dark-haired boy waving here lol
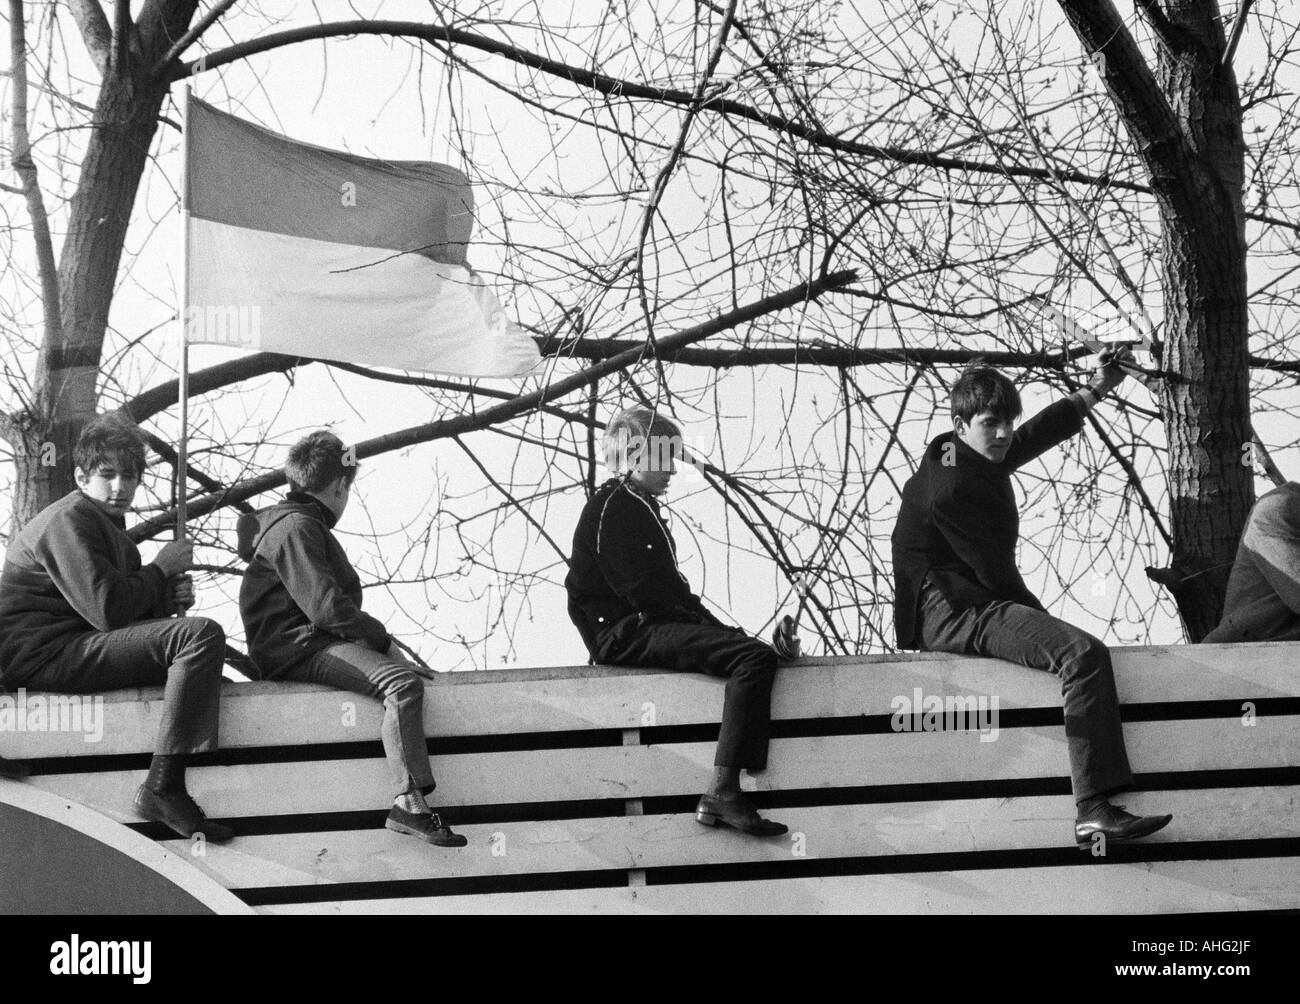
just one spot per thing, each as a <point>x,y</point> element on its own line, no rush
<point>957,587</point>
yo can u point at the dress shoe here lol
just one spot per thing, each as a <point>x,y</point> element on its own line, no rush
<point>180,812</point>
<point>735,810</point>
<point>428,826</point>
<point>1115,824</point>
<point>15,770</point>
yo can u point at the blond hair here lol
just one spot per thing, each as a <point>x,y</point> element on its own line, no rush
<point>640,437</point>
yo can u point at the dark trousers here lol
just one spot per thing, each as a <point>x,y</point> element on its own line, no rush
<point>183,655</point>
<point>349,666</point>
<point>748,665</point>
<point>1034,638</point>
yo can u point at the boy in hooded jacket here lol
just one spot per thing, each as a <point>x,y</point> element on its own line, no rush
<point>301,606</point>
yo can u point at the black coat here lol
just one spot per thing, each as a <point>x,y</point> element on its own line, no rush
<point>623,572</point>
<point>959,522</point>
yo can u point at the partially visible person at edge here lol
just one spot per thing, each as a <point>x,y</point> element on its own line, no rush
<point>633,607</point>
<point>1263,598</point>
<point>301,606</point>
<point>957,587</point>
<point>80,614</point>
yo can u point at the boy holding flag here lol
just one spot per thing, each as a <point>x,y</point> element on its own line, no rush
<point>80,614</point>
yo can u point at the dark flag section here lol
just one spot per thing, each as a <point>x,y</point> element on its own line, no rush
<point>242,175</point>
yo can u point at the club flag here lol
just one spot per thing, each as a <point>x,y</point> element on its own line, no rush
<point>1072,331</point>
<point>312,252</point>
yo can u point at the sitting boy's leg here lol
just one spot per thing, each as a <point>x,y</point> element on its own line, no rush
<point>184,655</point>
<point>1094,737</point>
<point>747,664</point>
<point>1099,764</point>
<point>749,667</point>
<point>362,670</point>
<point>1033,638</point>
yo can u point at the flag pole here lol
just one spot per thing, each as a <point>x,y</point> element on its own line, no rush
<point>183,383</point>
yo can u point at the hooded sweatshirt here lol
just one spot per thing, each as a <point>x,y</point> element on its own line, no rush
<point>300,593</point>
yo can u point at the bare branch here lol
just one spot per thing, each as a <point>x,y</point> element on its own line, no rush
<point>1170,35</point>
<point>121,32</point>
<point>623,88</point>
<point>95,32</point>
<point>445,428</point>
<point>674,157</point>
<point>1238,28</point>
<point>25,166</point>
<point>169,456</point>
<point>191,36</point>
<point>162,397</point>
<point>158,399</point>
<point>509,497</point>
<point>1142,104</point>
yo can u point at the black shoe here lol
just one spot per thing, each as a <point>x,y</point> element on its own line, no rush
<point>1116,824</point>
<point>428,826</point>
<point>15,770</point>
<point>180,812</point>
<point>734,810</point>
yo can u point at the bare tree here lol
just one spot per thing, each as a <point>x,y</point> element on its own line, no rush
<point>731,161</point>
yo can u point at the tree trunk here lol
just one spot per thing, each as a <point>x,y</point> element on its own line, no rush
<point>65,398</point>
<point>1185,123</point>
<point>1207,413</point>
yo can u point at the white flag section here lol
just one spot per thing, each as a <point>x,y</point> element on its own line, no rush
<point>296,249</point>
<point>279,293</point>
<point>1072,331</point>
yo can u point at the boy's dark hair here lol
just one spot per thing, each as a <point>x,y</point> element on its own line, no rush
<point>111,440</point>
<point>982,388</point>
<point>318,460</point>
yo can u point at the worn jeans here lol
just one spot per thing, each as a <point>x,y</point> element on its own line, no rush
<point>1034,638</point>
<point>747,664</point>
<point>349,666</point>
<point>183,655</point>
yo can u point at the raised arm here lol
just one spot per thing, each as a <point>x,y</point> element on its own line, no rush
<point>1063,419</point>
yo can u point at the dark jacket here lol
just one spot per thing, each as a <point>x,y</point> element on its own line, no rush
<point>623,572</point>
<point>1263,598</point>
<point>960,525</point>
<point>300,592</point>
<point>70,571</point>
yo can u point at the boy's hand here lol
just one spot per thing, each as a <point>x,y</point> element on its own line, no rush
<point>177,556</point>
<point>1111,373</point>
<point>181,589</point>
